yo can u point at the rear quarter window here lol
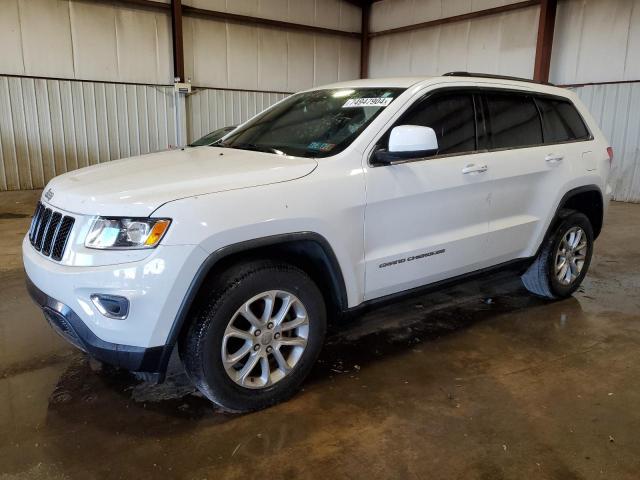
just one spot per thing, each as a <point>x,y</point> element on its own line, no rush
<point>561,121</point>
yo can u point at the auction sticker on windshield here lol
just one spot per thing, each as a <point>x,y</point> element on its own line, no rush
<point>367,102</point>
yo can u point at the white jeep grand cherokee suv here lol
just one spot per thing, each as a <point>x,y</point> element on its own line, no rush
<point>332,199</point>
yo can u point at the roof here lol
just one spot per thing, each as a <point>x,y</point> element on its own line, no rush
<point>397,82</point>
<point>406,82</point>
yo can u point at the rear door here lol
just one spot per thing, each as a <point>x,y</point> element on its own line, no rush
<point>563,127</point>
<point>427,218</point>
<point>530,161</point>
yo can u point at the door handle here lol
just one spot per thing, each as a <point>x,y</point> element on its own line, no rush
<point>553,158</point>
<point>473,168</point>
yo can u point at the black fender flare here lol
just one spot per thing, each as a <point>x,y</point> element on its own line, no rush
<point>557,216</point>
<point>335,273</point>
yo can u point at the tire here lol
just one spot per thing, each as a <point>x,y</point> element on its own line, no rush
<point>541,278</point>
<point>254,284</point>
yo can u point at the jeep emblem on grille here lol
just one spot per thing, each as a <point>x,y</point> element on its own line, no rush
<point>48,194</point>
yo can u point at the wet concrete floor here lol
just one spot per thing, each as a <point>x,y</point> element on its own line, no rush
<point>478,381</point>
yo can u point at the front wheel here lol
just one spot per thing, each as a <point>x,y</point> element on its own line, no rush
<point>256,338</point>
<point>564,259</point>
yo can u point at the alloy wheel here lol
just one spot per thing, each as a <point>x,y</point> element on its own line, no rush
<point>265,339</point>
<point>570,255</point>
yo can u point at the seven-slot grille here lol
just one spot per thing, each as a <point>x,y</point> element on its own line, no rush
<point>50,231</point>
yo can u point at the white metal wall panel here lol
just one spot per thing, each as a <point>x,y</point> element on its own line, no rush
<point>300,61</point>
<point>228,55</point>
<point>11,60</point>
<point>502,44</point>
<point>615,107</point>
<point>632,64</point>
<point>388,14</point>
<point>272,59</point>
<point>48,127</point>
<point>45,30</point>
<point>95,52</point>
<point>596,41</point>
<point>144,46</point>
<point>326,59</point>
<point>273,9</point>
<point>242,57</point>
<point>208,58</point>
<point>336,14</point>
<point>84,40</point>
<point>349,59</point>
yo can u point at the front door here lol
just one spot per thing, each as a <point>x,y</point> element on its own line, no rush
<point>427,218</point>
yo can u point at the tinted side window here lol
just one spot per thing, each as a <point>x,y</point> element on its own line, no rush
<point>452,117</point>
<point>561,121</point>
<point>513,121</point>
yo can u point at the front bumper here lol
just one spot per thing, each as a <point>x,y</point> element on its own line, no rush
<point>69,325</point>
<point>155,287</point>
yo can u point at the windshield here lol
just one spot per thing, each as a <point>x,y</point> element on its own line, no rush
<point>313,124</point>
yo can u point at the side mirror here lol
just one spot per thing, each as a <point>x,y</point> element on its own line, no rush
<point>408,141</point>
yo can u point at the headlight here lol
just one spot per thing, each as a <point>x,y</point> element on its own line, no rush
<point>107,233</point>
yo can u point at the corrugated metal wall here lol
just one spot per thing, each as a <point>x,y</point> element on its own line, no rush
<point>48,127</point>
<point>209,109</point>
<point>616,107</point>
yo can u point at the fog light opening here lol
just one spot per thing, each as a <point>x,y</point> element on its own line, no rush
<point>111,306</point>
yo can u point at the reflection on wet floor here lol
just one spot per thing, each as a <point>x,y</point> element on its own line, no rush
<point>13,216</point>
<point>478,381</point>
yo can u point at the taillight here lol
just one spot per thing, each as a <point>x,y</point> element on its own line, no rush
<point>610,153</point>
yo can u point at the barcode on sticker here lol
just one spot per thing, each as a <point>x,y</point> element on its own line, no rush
<point>367,102</point>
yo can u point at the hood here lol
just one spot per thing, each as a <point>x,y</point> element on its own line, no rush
<point>137,186</point>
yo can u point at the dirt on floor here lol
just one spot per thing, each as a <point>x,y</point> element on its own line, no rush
<point>481,380</point>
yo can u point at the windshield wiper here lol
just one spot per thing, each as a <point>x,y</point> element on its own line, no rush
<point>254,147</point>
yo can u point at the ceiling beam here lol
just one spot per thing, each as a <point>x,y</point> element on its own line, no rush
<point>178,46</point>
<point>544,43</point>
<point>364,41</point>
<point>145,4</point>
<point>359,3</point>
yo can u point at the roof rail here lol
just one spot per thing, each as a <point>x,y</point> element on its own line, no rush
<point>497,77</point>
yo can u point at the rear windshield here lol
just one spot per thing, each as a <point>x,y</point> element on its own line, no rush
<point>319,123</point>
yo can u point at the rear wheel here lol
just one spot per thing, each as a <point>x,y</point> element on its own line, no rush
<point>256,338</point>
<point>563,261</point>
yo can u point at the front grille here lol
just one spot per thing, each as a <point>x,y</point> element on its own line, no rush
<point>49,231</point>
